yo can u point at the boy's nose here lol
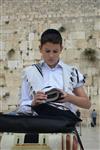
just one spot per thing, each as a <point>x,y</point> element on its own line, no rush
<point>51,55</point>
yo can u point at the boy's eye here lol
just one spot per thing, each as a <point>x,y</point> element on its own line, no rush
<point>55,51</point>
<point>48,51</point>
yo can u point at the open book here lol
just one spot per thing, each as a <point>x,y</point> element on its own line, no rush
<point>53,95</point>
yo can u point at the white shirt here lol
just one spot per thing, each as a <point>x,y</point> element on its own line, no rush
<point>51,76</point>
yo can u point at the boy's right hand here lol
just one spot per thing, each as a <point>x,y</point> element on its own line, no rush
<point>39,98</point>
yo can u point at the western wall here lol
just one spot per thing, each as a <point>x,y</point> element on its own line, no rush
<point>21,25</point>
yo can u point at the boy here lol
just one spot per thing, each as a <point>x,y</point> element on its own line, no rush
<point>50,73</point>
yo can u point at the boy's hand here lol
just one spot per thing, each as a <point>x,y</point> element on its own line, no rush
<point>63,96</point>
<point>39,98</point>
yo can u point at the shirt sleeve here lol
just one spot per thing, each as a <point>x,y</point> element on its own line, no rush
<point>25,98</point>
<point>80,78</point>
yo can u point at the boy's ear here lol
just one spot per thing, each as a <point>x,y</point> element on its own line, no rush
<point>61,47</point>
<point>40,48</point>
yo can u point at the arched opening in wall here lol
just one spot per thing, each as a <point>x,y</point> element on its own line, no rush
<point>11,54</point>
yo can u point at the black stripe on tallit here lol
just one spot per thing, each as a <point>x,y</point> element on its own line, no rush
<point>39,68</point>
<point>77,75</point>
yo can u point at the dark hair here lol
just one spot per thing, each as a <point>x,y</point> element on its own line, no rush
<point>51,35</point>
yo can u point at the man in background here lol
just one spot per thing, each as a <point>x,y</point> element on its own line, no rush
<point>93,117</point>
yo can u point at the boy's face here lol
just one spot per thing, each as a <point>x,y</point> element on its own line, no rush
<point>50,53</point>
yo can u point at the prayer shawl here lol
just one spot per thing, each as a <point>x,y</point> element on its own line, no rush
<point>72,78</point>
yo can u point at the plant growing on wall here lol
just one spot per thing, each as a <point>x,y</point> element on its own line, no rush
<point>2,85</point>
<point>21,52</point>
<point>27,53</point>
<point>7,94</point>
<point>11,52</point>
<point>19,42</point>
<point>6,68</point>
<point>7,22</point>
<point>90,54</point>
<point>90,37</point>
<point>15,32</point>
<point>11,71</point>
<point>62,29</point>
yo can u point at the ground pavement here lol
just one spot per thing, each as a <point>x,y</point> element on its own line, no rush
<point>90,137</point>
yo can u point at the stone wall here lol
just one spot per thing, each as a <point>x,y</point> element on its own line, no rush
<point>23,21</point>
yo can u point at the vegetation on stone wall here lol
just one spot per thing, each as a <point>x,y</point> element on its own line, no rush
<point>7,22</point>
<point>90,37</point>
<point>7,94</point>
<point>6,68</point>
<point>62,29</point>
<point>11,53</point>
<point>90,54</point>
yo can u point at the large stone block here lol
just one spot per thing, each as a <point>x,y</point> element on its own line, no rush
<point>77,35</point>
<point>98,43</point>
<point>70,44</point>
<point>2,45</point>
<point>8,45</point>
<point>14,64</point>
<point>93,90</point>
<point>99,90</point>
<point>89,81</point>
<point>55,25</point>
<point>92,71</point>
<point>81,43</point>
<point>97,25</point>
<point>24,46</point>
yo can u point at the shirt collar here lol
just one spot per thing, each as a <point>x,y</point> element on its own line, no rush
<point>60,64</point>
